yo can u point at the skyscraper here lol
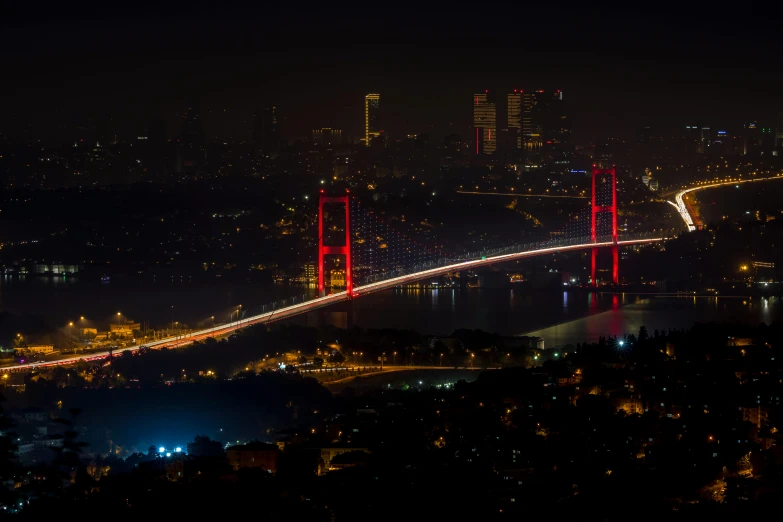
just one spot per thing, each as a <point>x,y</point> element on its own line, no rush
<point>372,122</point>
<point>327,136</point>
<point>485,123</point>
<point>266,130</point>
<point>194,143</point>
<point>750,138</point>
<point>515,115</point>
<point>544,120</point>
<point>705,139</point>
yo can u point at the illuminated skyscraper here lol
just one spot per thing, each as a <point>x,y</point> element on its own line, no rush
<point>372,128</point>
<point>515,115</point>
<point>485,122</point>
<point>545,125</point>
<point>539,111</point>
<point>750,138</point>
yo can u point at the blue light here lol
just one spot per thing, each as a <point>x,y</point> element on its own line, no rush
<point>161,449</point>
<point>177,449</point>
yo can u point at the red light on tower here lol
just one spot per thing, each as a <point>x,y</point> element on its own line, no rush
<point>611,208</point>
<point>335,250</point>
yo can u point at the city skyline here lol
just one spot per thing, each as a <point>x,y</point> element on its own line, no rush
<point>271,252</point>
<point>644,67</point>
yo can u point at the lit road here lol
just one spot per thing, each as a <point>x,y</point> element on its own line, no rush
<point>320,302</point>
<point>521,195</point>
<point>683,208</point>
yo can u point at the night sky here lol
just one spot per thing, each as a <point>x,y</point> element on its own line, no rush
<point>121,67</point>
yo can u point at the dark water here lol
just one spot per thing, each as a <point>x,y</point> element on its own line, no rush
<point>61,300</point>
<point>559,317</point>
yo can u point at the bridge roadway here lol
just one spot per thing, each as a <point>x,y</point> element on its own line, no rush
<point>684,209</point>
<point>319,302</point>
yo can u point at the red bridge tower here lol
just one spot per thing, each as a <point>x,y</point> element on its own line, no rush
<point>334,250</point>
<point>600,209</point>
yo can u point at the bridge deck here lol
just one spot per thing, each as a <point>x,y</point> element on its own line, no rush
<point>320,302</point>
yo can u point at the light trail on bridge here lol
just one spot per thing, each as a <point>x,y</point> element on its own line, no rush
<point>682,207</point>
<point>521,195</point>
<point>320,302</point>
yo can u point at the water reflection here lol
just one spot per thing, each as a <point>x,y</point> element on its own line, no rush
<point>561,318</point>
<point>660,313</point>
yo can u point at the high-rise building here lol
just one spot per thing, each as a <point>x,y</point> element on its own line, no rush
<point>485,123</point>
<point>750,138</point>
<point>544,119</point>
<point>546,129</point>
<point>372,121</point>
<point>267,137</point>
<point>154,149</point>
<point>515,115</point>
<point>327,136</point>
<point>705,139</point>
<point>194,144</point>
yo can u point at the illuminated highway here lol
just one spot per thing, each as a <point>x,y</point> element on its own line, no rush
<point>320,302</point>
<point>520,195</point>
<point>682,207</point>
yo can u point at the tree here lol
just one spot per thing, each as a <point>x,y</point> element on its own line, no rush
<point>203,446</point>
<point>643,335</point>
<point>336,357</point>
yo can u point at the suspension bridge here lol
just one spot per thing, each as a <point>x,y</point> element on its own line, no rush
<point>375,257</point>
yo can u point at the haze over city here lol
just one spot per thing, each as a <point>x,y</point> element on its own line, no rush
<point>332,262</point>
